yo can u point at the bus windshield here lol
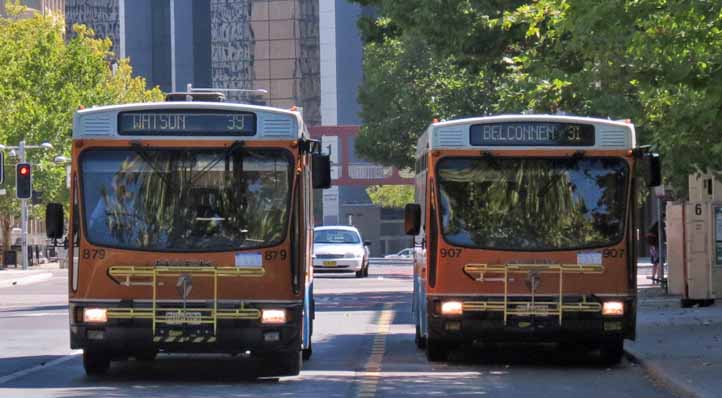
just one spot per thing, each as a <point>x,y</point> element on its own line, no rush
<point>533,204</point>
<point>185,199</point>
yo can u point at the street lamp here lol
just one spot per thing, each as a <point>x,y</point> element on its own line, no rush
<point>61,160</point>
<point>21,148</point>
<point>64,161</point>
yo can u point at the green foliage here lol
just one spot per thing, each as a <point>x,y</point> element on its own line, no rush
<point>391,196</point>
<point>656,62</point>
<point>43,80</point>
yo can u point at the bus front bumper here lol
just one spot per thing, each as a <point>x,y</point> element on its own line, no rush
<point>126,336</point>
<point>523,323</point>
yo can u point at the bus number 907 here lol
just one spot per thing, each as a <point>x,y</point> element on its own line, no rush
<point>453,253</point>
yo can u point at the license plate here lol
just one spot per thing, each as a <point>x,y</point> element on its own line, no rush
<point>179,318</point>
<point>329,263</point>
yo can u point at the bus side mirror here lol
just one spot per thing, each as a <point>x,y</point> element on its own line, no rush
<point>54,220</point>
<point>655,170</point>
<point>321,171</point>
<point>412,219</point>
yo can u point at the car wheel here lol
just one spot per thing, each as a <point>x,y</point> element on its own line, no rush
<point>360,273</point>
<point>366,269</point>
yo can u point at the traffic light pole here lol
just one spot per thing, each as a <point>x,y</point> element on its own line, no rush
<point>21,148</point>
<point>23,214</point>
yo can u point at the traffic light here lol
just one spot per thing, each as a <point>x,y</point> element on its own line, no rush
<point>23,181</point>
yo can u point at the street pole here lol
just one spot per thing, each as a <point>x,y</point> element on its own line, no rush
<point>23,214</point>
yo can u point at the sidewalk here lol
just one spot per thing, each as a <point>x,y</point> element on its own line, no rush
<point>34,274</point>
<point>680,347</point>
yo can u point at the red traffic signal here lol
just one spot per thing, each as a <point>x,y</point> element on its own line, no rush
<point>23,181</point>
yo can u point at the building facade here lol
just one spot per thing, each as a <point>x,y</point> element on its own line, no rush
<point>225,44</point>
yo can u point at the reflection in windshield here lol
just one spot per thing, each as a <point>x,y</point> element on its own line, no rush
<point>185,200</point>
<point>335,236</point>
<point>532,204</point>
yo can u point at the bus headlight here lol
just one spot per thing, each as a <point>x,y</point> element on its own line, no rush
<point>613,308</point>
<point>452,308</point>
<point>273,317</point>
<point>95,315</point>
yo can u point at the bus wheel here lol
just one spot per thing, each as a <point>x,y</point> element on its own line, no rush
<point>611,352</point>
<point>307,352</point>
<point>280,364</point>
<point>419,339</point>
<point>435,351</point>
<point>95,363</point>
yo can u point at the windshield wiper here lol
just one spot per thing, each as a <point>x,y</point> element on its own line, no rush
<point>236,146</point>
<point>143,153</point>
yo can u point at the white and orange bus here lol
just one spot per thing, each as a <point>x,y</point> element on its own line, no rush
<point>191,231</point>
<point>525,231</point>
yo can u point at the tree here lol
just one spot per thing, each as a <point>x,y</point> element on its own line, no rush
<point>425,60</point>
<point>656,62</point>
<point>391,196</point>
<point>43,80</point>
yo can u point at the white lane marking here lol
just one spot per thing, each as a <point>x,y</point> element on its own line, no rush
<point>352,373</point>
<point>25,372</point>
<point>23,314</point>
<point>25,280</point>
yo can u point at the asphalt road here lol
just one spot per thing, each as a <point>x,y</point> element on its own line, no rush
<point>363,347</point>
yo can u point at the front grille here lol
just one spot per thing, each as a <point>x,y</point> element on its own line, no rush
<point>329,256</point>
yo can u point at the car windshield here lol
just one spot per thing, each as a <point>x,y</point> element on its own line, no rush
<point>335,236</point>
<point>185,200</point>
<point>532,204</point>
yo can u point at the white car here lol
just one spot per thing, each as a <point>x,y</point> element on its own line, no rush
<point>402,255</point>
<point>340,249</point>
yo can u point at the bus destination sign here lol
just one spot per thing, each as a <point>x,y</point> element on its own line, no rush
<point>191,123</point>
<point>532,134</point>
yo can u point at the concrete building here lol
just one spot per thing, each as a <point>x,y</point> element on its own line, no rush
<point>234,44</point>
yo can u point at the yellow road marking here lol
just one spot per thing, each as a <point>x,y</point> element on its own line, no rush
<point>372,371</point>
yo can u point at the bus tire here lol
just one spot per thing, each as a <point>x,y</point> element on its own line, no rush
<point>419,339</point>
<point>95,363</point>
<point>307,352</point>
<point>611,352</point>
<point>435,351</point>
<point>287,364</point>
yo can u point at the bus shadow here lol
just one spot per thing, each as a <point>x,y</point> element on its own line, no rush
<point>527,355</point>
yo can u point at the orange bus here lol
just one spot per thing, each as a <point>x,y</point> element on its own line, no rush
<point>524,227</point>
<point>191,231</point>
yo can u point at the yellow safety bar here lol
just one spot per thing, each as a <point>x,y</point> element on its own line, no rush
<point>480,273</point>
<point>149,275</point>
